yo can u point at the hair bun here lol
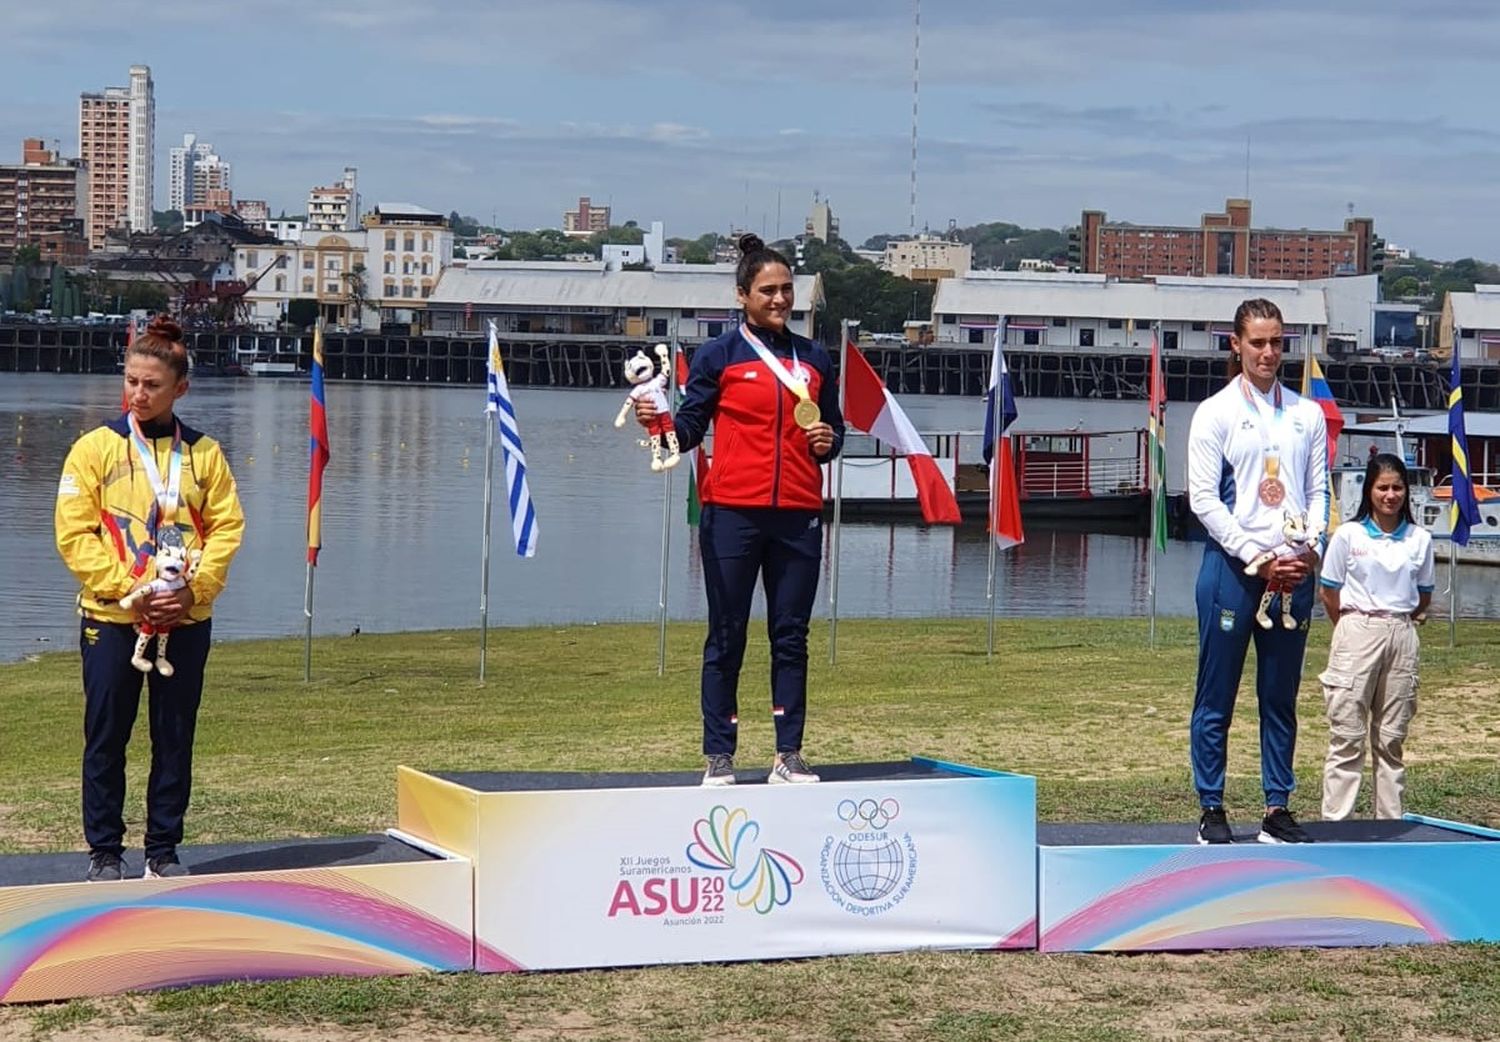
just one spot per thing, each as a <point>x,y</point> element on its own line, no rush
<point>166,327</point>
<point>749,243</point>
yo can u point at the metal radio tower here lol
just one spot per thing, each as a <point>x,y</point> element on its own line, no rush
<point>916,70</point>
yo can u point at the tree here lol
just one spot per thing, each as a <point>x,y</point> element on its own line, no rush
<point>302,312</point>
<point>359,291</point>
<point>880,301</point>
<point>169,221</point>
<point>463,227</point>
<point>696,251</point>
<point>1405,286</point>
<point>28,256</point>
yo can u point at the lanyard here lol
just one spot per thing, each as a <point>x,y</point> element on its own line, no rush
<point>796,386</point>
<point>166,493</point>
<point>1270,449</point>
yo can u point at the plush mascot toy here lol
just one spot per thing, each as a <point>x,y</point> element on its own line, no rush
<point>174,569</point>
<point>641,373</point>
<point>1295,532</point>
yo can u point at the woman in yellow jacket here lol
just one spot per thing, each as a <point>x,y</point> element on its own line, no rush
<point>128,486</point>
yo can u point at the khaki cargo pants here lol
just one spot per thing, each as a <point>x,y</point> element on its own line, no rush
<point>1370,692</point>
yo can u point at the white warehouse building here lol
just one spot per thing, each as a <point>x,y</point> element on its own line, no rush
<point>1091,311</point>
<point>551,298</point>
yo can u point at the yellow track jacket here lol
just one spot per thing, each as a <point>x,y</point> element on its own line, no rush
<point>105,505</point>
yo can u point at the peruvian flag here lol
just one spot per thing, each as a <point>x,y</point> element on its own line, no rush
<point>870,407</point>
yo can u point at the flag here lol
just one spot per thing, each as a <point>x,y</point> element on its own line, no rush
<point>1314,386</point>
<point>695,459</point>
<point>522,513</point>
<point>1464,511</point>
<point>129,340</point>
<point>1158,448</point>
<point>870,407</point>
<point>317,423</point>
<point>999,414</point>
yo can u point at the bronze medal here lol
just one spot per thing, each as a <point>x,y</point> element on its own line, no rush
<point>806,413</point>
<point>1272,492</point>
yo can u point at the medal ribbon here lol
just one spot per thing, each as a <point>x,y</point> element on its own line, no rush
<point>166,494</point>
<point>1271,453</point>
<point>797,387</point>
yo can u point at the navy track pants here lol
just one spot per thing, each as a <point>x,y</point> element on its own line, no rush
<point>783,548</point>
<point>1227,601</point>
<point>112,697</point>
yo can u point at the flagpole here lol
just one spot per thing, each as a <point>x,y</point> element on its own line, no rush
<point>484,542</point>
<point>995,471</point>
<point>307,611</point>
<point>846,327</point>
<point>666,534</point>
<point>1155,479</point>
<point>1452,593</point>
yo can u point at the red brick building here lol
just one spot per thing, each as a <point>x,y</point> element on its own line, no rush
<point>1224,244</point>
<point>41,198</point>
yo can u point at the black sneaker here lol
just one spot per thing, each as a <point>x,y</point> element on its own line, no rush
<point>165,866</point>
<point>720,770</point>
<point>1213,827</point>
<point>1280,827</point>
<point>104,867</point>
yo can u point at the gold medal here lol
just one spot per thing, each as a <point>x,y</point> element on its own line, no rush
<point>1272,491</point>
<point>806,413</point>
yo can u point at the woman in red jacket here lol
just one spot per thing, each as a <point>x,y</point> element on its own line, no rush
<point>772,398</point>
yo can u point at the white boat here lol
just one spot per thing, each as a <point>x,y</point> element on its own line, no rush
<point>1430,505</point>
<point>284,369</point>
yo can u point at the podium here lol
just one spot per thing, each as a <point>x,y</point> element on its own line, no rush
<point>355,905</point>
<point>593,870</point>
<point>1151,888</point>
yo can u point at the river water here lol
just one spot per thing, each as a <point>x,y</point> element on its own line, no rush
<point>403,501</point>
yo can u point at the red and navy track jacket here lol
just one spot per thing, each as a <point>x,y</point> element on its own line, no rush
<point>761,457</point>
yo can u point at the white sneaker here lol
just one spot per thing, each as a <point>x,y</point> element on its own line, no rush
<point>791,769</point>
<point>720,770</point>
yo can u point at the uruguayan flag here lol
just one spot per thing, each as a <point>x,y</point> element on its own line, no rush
<point>522,513</point>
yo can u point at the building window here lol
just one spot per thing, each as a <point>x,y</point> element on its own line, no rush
<point>281,261</point>
<point>1031,337</point>
<point>410,241</point>
<point>408,290</point>
<point>308,263</point>
<point>1060,323</point>
<point>390,266</point>
<point>252,258</point>
<point>659,326</point>
<point>426,244</point>
<point>1199,327</point>
<point>390,289</point>
<point>1086,337</point>
<point>307,285</point>
<point>1169,340</point>
<point>390,240</point>
<point>948,320</point>
<point>978,336</point>
<point>280,283</point>
<point>689,313</point>
<point>1116,323</point>
<point>331,287</point>
<point>426,292</point>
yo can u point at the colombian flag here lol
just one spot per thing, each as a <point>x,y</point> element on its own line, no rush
<point>1314,386</point>
<point>317,423</point>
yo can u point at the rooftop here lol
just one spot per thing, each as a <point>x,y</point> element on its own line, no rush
<point>555,283</point>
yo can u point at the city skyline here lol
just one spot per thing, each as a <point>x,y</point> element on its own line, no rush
<point>702,115</point>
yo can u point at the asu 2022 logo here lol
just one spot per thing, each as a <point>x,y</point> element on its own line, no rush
<point>727,867</point>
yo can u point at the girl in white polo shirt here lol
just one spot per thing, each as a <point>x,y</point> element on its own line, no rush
<point>1376,584</point>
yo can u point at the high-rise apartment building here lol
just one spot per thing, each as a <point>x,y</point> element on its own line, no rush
<point>40,197</point>
<point>1225,244</point>
<point>586,220</point>
<point>196,170</point>
<point>117,140</point>
<point>335,208</point>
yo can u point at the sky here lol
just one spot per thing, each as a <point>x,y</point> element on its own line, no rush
<point>712,114</point>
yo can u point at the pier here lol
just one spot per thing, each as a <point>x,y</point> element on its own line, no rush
<point>543,360</point>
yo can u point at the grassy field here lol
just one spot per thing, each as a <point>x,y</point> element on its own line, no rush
<point>1082,704</point>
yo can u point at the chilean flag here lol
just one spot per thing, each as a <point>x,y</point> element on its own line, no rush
<point>999,414</point>
<point>870,407</point>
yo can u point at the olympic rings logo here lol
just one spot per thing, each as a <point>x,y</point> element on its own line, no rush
<point>868,813</point>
